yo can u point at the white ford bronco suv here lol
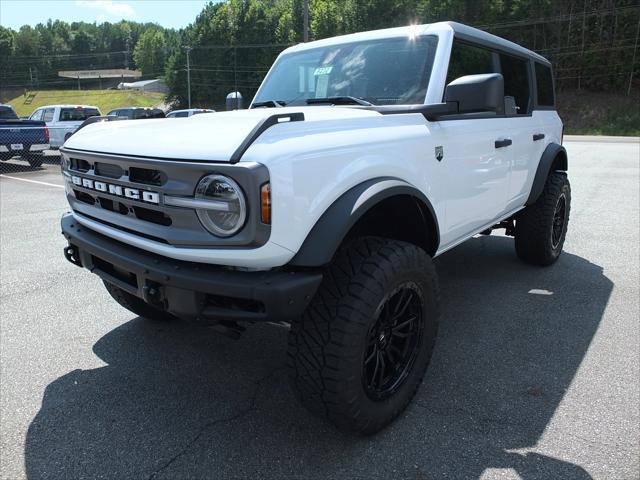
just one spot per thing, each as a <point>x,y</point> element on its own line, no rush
<point>360,159</point>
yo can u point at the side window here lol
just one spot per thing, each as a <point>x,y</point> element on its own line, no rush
<point>469,59</point>
<point>48,115</point>
<point>544,85</point>
<point>516,83</point>
<point>37,115</point>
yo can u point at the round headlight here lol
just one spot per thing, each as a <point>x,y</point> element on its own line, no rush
<point>223,209</point>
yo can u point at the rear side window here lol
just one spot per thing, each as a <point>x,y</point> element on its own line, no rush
<point>516,82</point>
<point>469,60</point>
<point>77,114</point>
<point>7,113</point>
<point>544,85</point>
<point>48,115</point>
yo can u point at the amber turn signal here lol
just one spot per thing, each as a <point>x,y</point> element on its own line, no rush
<point>265,203</point>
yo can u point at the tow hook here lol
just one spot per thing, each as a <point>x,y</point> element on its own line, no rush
<point>71,254</point>
<point>151,293</point>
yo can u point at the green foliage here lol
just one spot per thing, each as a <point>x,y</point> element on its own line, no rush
<point>7,42</point>
<point>589,42</point>
<point>150,52</point>
<point>34,55</point>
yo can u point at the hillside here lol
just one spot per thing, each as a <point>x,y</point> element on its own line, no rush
<point>599,113</point>
<point>105,100</point>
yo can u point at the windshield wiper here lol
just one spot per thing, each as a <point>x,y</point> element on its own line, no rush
<point>341,100</point>
<point>269,104</point>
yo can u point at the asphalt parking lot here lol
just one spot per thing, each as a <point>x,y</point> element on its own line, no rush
<point>535,374</point>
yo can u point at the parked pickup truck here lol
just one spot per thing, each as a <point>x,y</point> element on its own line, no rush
<point>63,120</point>
<point>27,138</point>
<point>360,159</point>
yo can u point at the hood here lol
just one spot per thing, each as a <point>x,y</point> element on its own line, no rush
<point>211,136</point>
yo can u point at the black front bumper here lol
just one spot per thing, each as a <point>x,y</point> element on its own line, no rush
<point>191,290</point>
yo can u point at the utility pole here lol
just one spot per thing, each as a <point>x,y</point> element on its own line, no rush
<point>188,50</point>
<point>235,69</point>
<point>305,25</point>
<point>633,61</point>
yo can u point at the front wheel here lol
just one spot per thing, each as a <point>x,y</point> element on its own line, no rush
<point>358,354</point>
<point>541,228</point>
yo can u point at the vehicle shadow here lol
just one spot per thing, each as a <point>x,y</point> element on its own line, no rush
<point>174,401</point>
<point>18,164</point>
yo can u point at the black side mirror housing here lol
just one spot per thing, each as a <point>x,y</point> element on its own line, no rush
<point>477,93</point>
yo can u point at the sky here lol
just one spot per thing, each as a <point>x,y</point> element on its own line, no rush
<point>168,13</point>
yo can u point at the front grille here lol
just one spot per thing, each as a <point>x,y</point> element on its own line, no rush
<point>84,197</point>
<point>147,176</point>
<point>113,206</point>
<point>152,218</point>
<point>108,170</point>
<point>79,165</point>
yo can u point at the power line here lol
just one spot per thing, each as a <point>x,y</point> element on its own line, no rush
<point>558,18</point>
<point>246,45</point>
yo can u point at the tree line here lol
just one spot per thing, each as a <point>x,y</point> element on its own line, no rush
<point>593,44</point>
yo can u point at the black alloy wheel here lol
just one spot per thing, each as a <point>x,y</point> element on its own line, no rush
<point>558,221</point>
<point>393,342</point>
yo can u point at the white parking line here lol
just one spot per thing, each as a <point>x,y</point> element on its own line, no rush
<point>32,181</point>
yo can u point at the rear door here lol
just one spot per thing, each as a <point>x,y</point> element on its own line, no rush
<point>518,91</point>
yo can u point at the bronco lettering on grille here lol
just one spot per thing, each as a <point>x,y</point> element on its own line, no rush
<point>117,190</point>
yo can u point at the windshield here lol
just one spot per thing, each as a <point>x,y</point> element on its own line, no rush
<point>391,71</point>
<point>7,113</point>
<point>77,114</point>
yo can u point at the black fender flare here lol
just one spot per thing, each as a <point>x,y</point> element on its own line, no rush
<point>335,223</point>
<point>554,156</point>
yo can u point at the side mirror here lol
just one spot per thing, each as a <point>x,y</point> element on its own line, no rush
<point>477,93</point>
<point>234,101</point>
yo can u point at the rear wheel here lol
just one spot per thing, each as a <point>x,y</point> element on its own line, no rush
<point>35,160</point>
<point>136,305</point>
<point>541,228</point>
<point>358,354</point>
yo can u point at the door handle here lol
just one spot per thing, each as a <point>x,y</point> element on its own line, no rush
<point>503,143</point>
<point>538,136</point>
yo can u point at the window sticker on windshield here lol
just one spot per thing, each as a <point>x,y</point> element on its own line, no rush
<point>321,86</point>
<point>322,71</point>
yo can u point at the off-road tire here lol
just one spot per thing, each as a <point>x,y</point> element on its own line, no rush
<point>534,231</point>
<point>327,345</point>
<point>137,305</point>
